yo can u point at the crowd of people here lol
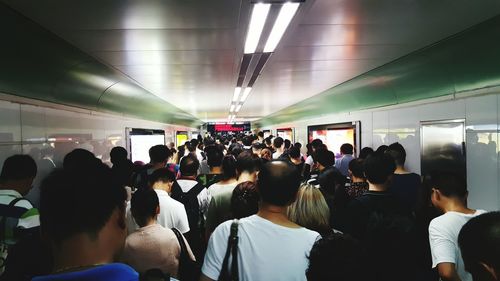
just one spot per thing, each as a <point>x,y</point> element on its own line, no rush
<point>244,207</point>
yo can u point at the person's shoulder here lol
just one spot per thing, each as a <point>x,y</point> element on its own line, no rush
<point>441,221</point>
<point>108,272</point>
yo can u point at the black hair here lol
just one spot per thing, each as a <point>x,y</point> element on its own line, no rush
<point>278,142</point>
<point>331,180</point>
<point>278,183</point>
<point>80,159</point>
<point>143,205</point>
<point>397,152</point>
<point>267,141</point>
<point>159,153</point>
<point>228,167</point>
<point>118,153</point>
<point>337,257</point>
<point>450,184</point>
<point>379,167</point>
<point>382,149</point>
<point>365,152</point>
<point>316,143</point>
<point>260,134</point>
<point>479,242</point>
<point>18,167</point>
<point>247,162</point>
<point>346,148</point>
<point>298,145</point>
<point>245,200</point>
<point>356,168</point>
<point>288,144</point>
<point>194,143</point>
<point>324,157</point>
<point>247,141</point>
<point>294,152</point>
<point>214,155</point>
<point>162,174</point>
<point>65,209</point>
<point>189,165</point>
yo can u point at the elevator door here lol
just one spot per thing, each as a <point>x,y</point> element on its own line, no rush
<point>443,146</point>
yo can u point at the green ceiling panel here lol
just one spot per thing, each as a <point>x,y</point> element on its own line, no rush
<point>467,61</point>
<point>37,64</point>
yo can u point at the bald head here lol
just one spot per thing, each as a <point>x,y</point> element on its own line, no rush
<point>278,183</point>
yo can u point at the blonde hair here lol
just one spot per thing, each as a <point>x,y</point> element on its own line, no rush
<point>310,209</point>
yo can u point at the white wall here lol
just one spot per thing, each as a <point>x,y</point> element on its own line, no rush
<point>24,128</point>
<point>387,125</point>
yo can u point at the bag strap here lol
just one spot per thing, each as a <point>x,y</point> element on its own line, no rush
<point>180,239</point>
<point>196,189</point>
<point>3,220</point>
<point>232,248</point>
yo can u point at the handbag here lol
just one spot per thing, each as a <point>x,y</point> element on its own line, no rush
<point>189,270</point>
<point>227,274</point>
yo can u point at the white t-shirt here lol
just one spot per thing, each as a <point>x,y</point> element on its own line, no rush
<point>277,155</point>
<point>443,239</point>
<point>172,214</point>
<point>309,160</point>
<point>266,251</point>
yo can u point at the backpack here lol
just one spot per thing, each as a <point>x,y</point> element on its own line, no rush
<point>140,178</point>
<point>190,201</point>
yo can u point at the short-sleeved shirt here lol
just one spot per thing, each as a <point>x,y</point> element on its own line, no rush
<point>108,272</point>
<point>172,214</point>
<point>266,251</point>
<point>219,209</point>
<point>405,188</point>
<point>153,246</point>
<point>342,164</point>
<point>443,239</point>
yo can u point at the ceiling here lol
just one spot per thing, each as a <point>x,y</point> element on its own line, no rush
<point>188,52</point>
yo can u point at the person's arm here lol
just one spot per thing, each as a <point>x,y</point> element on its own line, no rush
<point>447,272</point>
<point>205,278</point>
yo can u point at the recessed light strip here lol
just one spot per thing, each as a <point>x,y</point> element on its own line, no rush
<point>285,16</point>
<point>245,94</point>
<point>236,94</point>
<point>257,21</point>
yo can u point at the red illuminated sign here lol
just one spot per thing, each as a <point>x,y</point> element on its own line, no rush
<point>228,128</point>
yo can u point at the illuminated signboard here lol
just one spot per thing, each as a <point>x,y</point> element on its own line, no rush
<point>224,127</point>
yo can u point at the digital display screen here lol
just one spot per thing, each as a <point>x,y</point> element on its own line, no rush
<point>141,140</point>
<point>181,138</point>
<point>225,127</point>
<point>285,134</point>
<point>334,135</point>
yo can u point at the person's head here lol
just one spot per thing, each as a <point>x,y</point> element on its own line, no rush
<point>398,153</point>
<point>365,152</point>
<point>118,154</point>
<point>278,142</point>
<point>298,145</point>
<point>189,166</point>
<point>247,141</point>
<point>337,257</point>
<point>324,158</point>
<point>194,143</point>
<point>346,148</point>
<point>266,154</point>
<point>260,135</point>
<point>382,149</point>
<point>229,167</point>
<point>18,173</point>
<point>83,206</point>
<point>331,180</point>
<point>379,167</point>
<point>159,154</point>
<point>80,159</point>
<point>278,183</point>
<point>288,144</point>
<point>257,148</point>
<point>248,162</point>
<point>294,153</point>
<point>245,200</point>
<point>145,206</point>
<point>162,179</point>
<point>267,141</point>
<point>214,156</point>
<point>447,186</point>
<point>315,144</point>
<point>356,169</point>
<point>479,242</point>
<point>310,210</point>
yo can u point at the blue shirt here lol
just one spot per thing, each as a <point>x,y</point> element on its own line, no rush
<point>342,164</point>
<point>108,272</point>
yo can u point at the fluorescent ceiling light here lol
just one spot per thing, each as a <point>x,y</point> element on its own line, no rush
<point>285,16</point>
<point>232,108</point>
<point>257,21</point>
<point>238,107</point>
<point>236,94</point>
<point>245,94</point>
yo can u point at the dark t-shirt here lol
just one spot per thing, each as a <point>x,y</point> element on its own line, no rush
<point>108,272</point>
<point>405,188</point>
